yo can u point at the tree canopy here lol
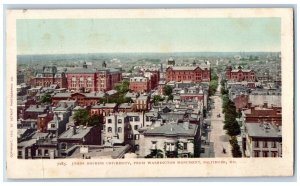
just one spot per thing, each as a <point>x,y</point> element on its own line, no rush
<point>46,98</point>
<point>168,90</point>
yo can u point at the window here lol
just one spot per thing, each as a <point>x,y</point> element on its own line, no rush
<point>265,144</point>
<point>136,127</point>
<point>274,144</point>
<point>119,120</point>
<point>19,153</point>
<point>63,146</point>
<point>119,130</point>
<point>46,152</point>
<point>39,152</point>
<point>136,136</point>
<point>109,129</point>
<point>137,118</point>
<point>274,154</point>
<point>129,136</point>
<point>109,121</point>
<point>153,147</point>
<point>184,146</point>
<point>256,144</point>
<point>52,125</point>
<point>170,147</point>
<point>256,153</point>
<point>265,154</point>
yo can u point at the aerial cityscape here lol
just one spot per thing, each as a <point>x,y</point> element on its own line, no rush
<point>138,98</point>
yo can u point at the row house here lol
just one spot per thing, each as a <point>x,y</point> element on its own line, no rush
<point>49,75</point>
<point>240,74</point>
<point>188,73</point>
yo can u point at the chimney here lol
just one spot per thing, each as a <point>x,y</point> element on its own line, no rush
<point>74,129</point>
<point>249,105</point>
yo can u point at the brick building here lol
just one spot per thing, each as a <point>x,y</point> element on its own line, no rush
<point>240,74</point>
<point>139,84</point>
<point>263,114</point>
<point>183,73</point>
<point>83,99</point>
<point>49,75</point>
<point>88,80</point>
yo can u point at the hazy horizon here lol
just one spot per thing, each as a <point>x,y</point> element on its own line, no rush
<point>72,36</point>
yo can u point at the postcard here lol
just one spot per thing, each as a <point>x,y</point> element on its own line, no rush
<point>143,93</point>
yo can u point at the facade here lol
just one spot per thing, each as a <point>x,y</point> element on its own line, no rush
<point>116,129</point>
<point>139,84</point>
<point>104,109</point>
<point>184,73</point>
<point>49,75</point>
<point>89,80</point>
<point>240,74</point>
<point>142,103</point>
<point>262,140</point>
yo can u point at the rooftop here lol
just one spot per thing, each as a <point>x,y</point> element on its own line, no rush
<point>263,130</point>
<point>80,132</point>
<point>173,129</point>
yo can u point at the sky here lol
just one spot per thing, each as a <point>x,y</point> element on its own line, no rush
<point>70,36</point>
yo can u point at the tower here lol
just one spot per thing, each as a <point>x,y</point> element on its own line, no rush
<point>103,64</point>
<point>171,61</point>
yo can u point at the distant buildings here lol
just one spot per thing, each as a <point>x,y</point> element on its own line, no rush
<point>188,73</point>
<point>240,74</point>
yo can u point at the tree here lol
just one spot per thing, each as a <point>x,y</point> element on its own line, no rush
<point>168,90</point>
<point>157,98</point>
<point>81,117</point>
<point>170,97</point>
<point>95,120</point>
<point>213,85</point>
<point>46,98</point>
<point>235,148</point>
<point>123,86</point>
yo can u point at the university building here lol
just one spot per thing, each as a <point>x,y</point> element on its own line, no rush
<point>89,80</point>
<point>240,74</point>
<point>49,75</point>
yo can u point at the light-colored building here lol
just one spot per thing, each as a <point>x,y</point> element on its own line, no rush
<point>262,140</point>
<point>170,140</point>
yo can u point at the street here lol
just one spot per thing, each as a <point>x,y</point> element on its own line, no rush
<point>218,136</point>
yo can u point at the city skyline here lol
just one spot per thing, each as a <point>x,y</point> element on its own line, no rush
<point>148,35</point>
